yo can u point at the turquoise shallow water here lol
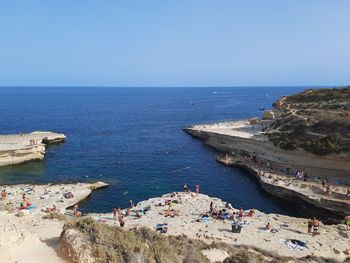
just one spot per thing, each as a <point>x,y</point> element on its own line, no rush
<point>133,139</point>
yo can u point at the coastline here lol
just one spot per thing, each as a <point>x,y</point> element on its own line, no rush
<point>238,141</point>
<point>331,243</point>
<point>25,233</point>
<point>20,148</point>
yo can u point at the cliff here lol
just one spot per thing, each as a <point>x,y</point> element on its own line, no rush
<point>19,148</point>
<point>316,123</point>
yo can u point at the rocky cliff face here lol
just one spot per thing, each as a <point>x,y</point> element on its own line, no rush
<point>331,166</point>
<point>19,148</point>
<point>76,246</point>
<point>280,159</point>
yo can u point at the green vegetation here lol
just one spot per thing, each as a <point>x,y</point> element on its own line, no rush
<point>317,121</point>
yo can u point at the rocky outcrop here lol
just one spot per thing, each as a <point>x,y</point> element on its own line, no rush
<point>293,190</point>
<point>76,246</point>
<point>332,166</point>
<point>20,148</point>
<point>273,159</point>
<point>34,235</point>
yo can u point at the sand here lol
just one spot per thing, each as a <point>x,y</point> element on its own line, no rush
<point>31,238</point>
<point>333,242</point>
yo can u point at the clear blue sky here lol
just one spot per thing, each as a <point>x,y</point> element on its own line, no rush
<point>174,43</point>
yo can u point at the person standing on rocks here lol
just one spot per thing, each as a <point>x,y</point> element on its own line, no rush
<point>309,226</point>
<point>315,226</point>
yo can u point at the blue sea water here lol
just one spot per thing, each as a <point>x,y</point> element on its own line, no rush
<point>133,139</point>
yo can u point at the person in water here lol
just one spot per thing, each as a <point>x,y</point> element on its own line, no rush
<point>197,189</point>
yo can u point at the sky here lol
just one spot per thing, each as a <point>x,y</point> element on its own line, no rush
<point>174,43</point>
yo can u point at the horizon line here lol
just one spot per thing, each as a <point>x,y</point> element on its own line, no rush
<point>157,86</point>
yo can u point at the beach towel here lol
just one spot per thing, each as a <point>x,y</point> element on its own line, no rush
<point>294,244</point>
<point>161,226</point>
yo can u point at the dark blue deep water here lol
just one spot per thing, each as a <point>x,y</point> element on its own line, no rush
<point>133,139</point>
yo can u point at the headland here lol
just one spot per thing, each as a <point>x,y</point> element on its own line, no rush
<point>294,150</point>
<point>20,148</point>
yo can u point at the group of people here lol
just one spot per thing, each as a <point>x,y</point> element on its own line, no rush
<point>119,214</point>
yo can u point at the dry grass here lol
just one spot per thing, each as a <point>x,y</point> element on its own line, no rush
<point>317,121</point>
<point>113,244</point>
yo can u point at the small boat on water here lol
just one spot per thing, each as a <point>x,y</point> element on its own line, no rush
<point>261,108</point>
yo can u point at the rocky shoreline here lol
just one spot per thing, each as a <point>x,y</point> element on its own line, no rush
<point>24,232</point>
<point>239,141</point>
<point>39,235</point>
<point>182,213</point>
<point>20,148</point>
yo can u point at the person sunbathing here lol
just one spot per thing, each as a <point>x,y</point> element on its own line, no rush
<point>68,195</point>
<point>3,194</point>
<point>49,210</point>
<point>251,213</point>
<point>170,212</point>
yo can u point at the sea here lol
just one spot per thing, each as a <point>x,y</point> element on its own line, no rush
<point>132,138</point>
